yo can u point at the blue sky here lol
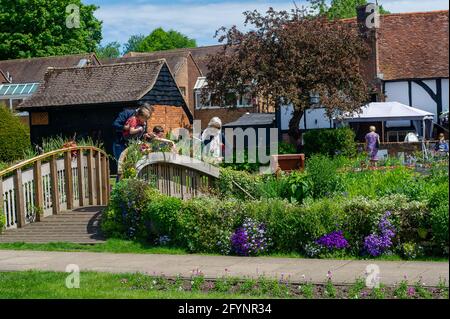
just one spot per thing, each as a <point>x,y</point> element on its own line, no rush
<point>199,19</point>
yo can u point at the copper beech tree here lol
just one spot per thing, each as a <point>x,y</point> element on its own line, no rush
<point>285,57</point>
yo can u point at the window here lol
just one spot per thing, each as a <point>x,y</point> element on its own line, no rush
<point>396,136</point>
<point>231,99</point>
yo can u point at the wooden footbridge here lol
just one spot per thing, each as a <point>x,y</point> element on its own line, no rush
<point>59,196</point>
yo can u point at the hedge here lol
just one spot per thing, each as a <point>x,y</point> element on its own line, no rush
<point>205,224</point>
<point>330,142</point>
<point>14,136</point>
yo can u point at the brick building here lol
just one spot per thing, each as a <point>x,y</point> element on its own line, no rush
<point>85,101</point>
<point>409,63</point>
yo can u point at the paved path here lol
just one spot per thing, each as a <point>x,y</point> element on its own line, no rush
<point>78,226</point>
<point>217,266</point>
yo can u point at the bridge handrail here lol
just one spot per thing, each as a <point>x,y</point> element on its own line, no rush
<point>47,155</point>
<point>49,183</point>
<point>180,160</point>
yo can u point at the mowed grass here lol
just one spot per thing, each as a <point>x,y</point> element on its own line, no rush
<point>119,246</point>
<point>93,285</point>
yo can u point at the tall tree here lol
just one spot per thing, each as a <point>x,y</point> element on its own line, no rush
<point>33,28</point>
<point>340,9</point>
<point>133,43</point>
<point>165,40</point>
<point>110,50</point>
<point>288,56</point>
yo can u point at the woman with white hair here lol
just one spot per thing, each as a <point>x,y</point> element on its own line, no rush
<point>372,145</point>
<point>212,141</point>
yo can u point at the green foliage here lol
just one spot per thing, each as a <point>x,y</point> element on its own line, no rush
<point>110,50</point>
<point>160,40</point>
<point>340,9</point>
<point>286,148</point>
<point>133,43</point>
<point>38,28</point>
<point>2,220</point>
<point>14,136</point>
<point>330,142</point>
<point>322,172</point>
<point>439,226</point>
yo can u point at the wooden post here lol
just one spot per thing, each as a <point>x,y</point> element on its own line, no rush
<point>1,196</point>
<point>38,190</point>
<point>90,169</point>
<point>68,179</point>
<point>104,179</point>
<point>382,132</point>
<point>54,185</point>
<point>20,203</point>
<point>98,178</point>
<point>108,184</point>
<point>80,178</point>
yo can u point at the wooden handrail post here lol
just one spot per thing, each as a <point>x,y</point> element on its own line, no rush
<point>68,179</point>
<point>1,196</point>
<point>20,203</point>
<point>98,178</point>
<point>38,189</point>
<point>90,166</point>
<point>104,180</point>
<point>80,169</point>
<point>54,185</point>
<point>108,184</point>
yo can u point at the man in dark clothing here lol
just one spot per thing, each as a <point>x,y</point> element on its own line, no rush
<point>119,144</point>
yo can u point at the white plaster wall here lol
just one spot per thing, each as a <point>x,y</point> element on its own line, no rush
<point>397,92</point>
<point>445,94</point>
<point>315,118</point>
<point>422,100</point>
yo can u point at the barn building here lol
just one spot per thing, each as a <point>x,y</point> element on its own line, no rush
<point>85,101</point>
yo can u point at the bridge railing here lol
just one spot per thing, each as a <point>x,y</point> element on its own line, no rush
<point>177,175</point>
<point>53,182</point>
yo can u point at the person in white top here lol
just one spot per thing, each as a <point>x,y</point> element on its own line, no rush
<point>212,141</point>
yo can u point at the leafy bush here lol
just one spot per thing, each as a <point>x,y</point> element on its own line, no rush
<point>439,226</point>
<point>206,224</point>
<point>322,171</point>
<point>330,142</point>
<point>2,220</point>
<point>14,136</point>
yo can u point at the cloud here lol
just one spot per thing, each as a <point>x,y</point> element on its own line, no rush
<point>200,19</point>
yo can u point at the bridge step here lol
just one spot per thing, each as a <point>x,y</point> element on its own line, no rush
<point>77,226</point>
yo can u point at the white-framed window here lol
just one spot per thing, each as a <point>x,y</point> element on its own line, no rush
<point>231,99</point>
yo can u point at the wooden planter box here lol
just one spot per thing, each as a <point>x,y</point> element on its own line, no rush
<point>287,162</point>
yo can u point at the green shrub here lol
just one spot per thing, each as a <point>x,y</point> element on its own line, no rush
<point>14,136</point>
<point>125,215</point>
<point>2,220</point>
<point>322,172</point>
<point>163,213</point>
<point>361,217</point>
<point>439,226</point>
<point>330,142</point>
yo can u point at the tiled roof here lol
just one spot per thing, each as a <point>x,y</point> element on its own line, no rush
<point>199,54</point>
<point>33,69</point>
<point>414,45</point>
<point>253,119</point>
<point>175,60</point>
<point>3,78</point>
<point>96,84</point>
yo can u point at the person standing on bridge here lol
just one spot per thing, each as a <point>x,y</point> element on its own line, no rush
<point>212,141</point>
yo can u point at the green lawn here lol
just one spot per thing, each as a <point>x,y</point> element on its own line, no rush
<point>126,246</point>
<point>47,285</point>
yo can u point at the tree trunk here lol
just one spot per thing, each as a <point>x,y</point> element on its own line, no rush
<point>294,126</point>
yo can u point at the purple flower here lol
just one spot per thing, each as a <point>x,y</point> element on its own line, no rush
<point>250,239</point>
<point>334,240</point>
<point>377,244</point>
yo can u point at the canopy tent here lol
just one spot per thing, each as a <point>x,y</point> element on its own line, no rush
<point>391,111</point>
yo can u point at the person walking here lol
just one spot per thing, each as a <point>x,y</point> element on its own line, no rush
<point>372,145</point>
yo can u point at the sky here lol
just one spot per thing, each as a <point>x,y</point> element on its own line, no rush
<point>199,19</point>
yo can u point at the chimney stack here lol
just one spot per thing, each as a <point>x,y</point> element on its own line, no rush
<point>368,18</point>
